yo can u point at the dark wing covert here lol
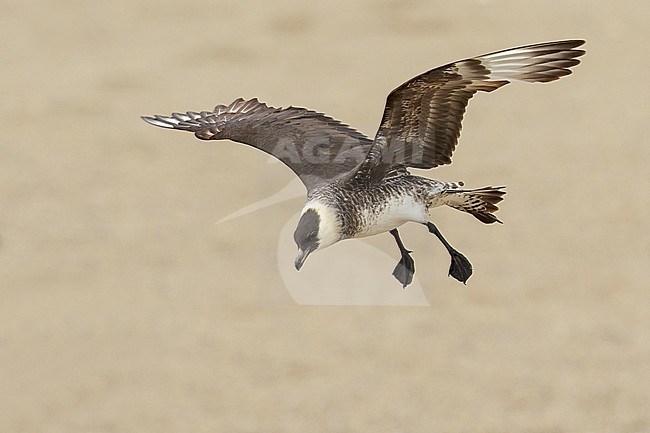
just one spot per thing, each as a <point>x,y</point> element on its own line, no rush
<point>316,147</point>
<point>421,123</point>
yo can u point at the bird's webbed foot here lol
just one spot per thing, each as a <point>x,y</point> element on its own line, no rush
<point>405,269</point>
<point>460,268</point>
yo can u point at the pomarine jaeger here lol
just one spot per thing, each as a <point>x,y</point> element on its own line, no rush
<point>360,187</point>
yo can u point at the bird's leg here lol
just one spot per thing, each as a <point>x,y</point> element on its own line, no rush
<point>460,268</point>
<point>405,269</point>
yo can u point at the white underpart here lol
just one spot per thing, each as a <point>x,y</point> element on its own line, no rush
<point>379,218</point>
<point>397,211</point>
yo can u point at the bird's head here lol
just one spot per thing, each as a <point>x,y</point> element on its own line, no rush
<point>317,229</point>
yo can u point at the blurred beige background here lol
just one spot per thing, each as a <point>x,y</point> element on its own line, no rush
<point>125,308</point>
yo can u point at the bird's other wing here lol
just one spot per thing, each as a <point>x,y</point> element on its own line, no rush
<point>316,147</point>
<point>422,119</point>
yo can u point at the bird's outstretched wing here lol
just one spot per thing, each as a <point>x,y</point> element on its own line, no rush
<point>316,147</point>
<point>422,119</point>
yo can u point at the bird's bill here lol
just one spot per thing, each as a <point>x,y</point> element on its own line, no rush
<point>301,257</point>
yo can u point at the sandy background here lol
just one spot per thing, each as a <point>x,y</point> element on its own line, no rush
<point>125,308</point>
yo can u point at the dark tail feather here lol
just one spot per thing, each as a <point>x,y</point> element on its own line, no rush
<point>480,202</point>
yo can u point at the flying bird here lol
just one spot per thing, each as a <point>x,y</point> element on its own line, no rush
<point>359,187</point>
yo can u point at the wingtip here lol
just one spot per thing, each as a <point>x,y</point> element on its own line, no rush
<point>567,44</point>
<point>575,43</point>
<point>156,122</point>
<point>578,42</point>
<point>572,46</point>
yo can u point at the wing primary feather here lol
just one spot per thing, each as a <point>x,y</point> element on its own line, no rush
<point>422,118</point>
<point>157,122</point>
<point>315,146</point>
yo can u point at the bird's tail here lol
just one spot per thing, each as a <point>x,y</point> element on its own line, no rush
<point>480,202</point>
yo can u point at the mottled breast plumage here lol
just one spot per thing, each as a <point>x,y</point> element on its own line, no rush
<point>366,211</point>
